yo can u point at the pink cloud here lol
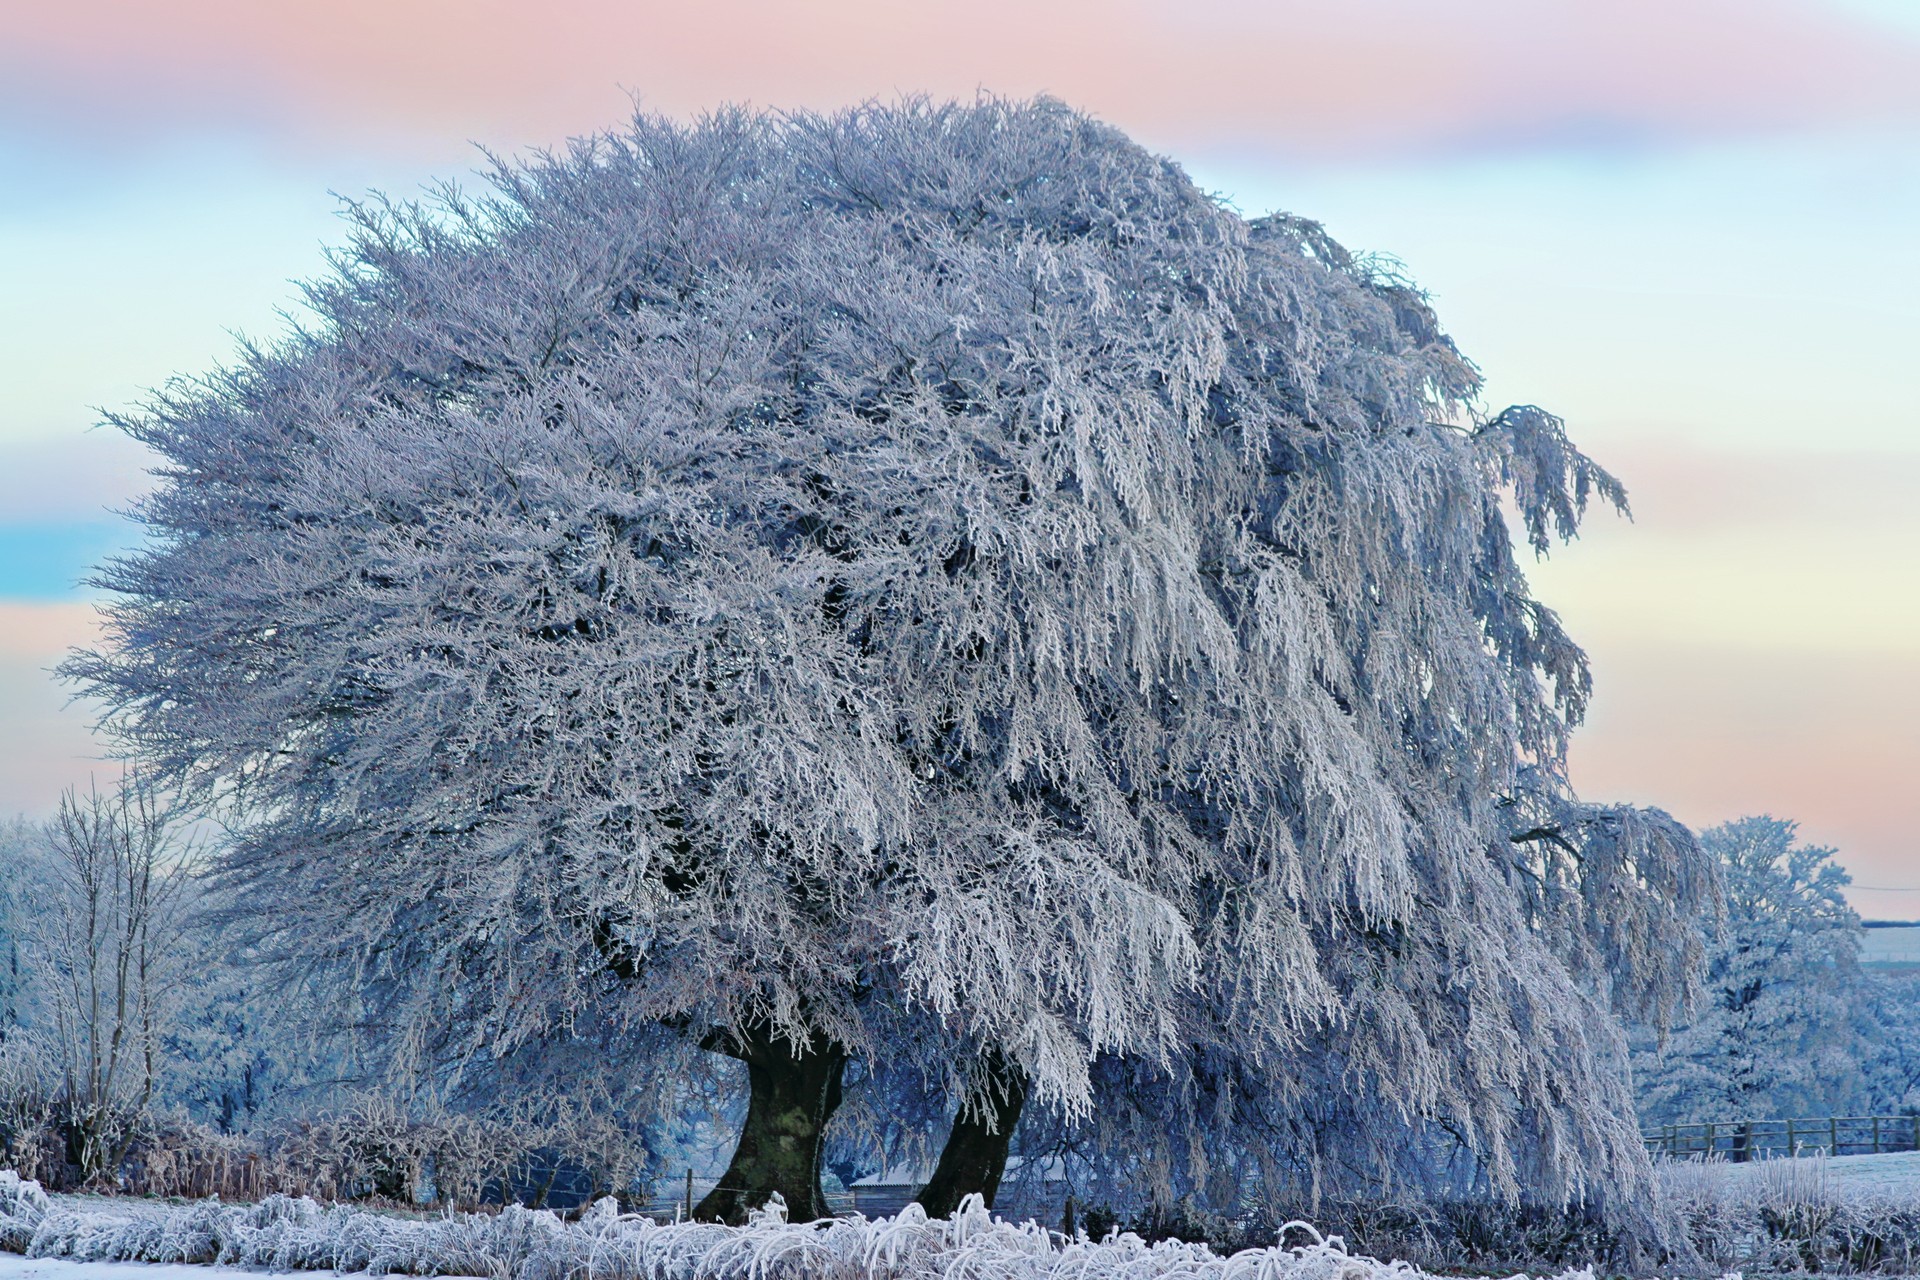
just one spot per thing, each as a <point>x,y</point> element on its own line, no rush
<point>31,632</point>
<point>1280,77</point>
<point>1678,487</point>
<point>1754,648</point>
<point>1826,739</point>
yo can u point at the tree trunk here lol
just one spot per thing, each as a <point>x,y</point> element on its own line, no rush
<point>794,1091</point>
<point>975,1156</point>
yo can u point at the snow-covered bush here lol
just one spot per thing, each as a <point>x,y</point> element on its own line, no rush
<point>1789,1216</point>
<point>23,1206</point>
<point>29,1098</point>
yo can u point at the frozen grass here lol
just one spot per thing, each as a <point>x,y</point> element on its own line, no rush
<point>1859,1215</point>
<point>283,1234</point>
<point>1855,1215</point>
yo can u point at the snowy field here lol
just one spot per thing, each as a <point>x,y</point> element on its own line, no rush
<point>1895,1176</point>
<point>15,1267</point>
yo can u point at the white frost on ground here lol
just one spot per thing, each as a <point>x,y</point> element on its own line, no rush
<point>1895,1176</point>
<point>15,1267</point>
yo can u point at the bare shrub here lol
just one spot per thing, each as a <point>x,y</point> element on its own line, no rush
<point>367,1148</point>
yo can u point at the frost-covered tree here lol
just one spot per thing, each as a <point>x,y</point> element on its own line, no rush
<point>107,939</point>
<point>926,585</point>
<point>1778,1029</point>
<point>244,1045</point>
<point>1890,1024</point>
<point>25,882</point>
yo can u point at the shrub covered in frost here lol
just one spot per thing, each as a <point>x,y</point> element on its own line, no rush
<point>1787,1218</point>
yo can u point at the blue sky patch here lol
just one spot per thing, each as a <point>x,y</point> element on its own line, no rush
<point>47,560</point>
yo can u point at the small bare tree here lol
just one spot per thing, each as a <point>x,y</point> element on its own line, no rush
<point>112,937</point>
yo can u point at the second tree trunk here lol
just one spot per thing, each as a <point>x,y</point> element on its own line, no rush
<point>975,1156</point>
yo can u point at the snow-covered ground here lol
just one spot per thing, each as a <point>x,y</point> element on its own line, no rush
<point>96,1238</point>
<point>15,1267</point>
<point>1895,1176</point>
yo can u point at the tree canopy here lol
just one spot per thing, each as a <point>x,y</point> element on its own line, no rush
<point>925,584</point>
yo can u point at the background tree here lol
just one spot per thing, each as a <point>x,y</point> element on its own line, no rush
<point>28,1077</point>
<point>108,936</point>
<point>1778,1031</point>
<point>925,585</point>
<point>243,1045</point>
<point>1890,1027</point>
<point>24,884</point>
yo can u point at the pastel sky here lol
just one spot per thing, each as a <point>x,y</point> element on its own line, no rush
<point>1688,226</point>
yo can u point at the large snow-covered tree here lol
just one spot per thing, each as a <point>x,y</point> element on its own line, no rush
<point>925,584</point>
<point>1779,1029</point>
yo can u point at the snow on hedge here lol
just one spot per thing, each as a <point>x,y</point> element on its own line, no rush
<point>283,1234</point>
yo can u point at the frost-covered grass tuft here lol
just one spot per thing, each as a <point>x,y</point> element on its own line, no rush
<point>1795,1216</point>
<point>284,1234</point>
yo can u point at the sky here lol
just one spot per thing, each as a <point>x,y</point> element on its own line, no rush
<point>1686,226</point>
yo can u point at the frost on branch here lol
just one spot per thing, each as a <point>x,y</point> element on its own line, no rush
<point>907,585</point>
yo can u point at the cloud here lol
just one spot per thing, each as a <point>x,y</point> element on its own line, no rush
<point>41,633</point>
<point>1754,647</point>
<point>1366,77</point>
<point>1682,489</point>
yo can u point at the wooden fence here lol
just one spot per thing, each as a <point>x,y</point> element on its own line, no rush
<point>1756,1139</point>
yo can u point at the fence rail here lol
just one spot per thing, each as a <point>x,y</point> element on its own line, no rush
<point>1755,1139</point>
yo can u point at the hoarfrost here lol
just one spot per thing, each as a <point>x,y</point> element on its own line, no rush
<point>520,1244</point>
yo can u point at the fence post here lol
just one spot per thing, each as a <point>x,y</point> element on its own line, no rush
<point>689,1194</point>
<point>1876,1135</point>
<point>1791,1149</point>
<point>1833,1135</point>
